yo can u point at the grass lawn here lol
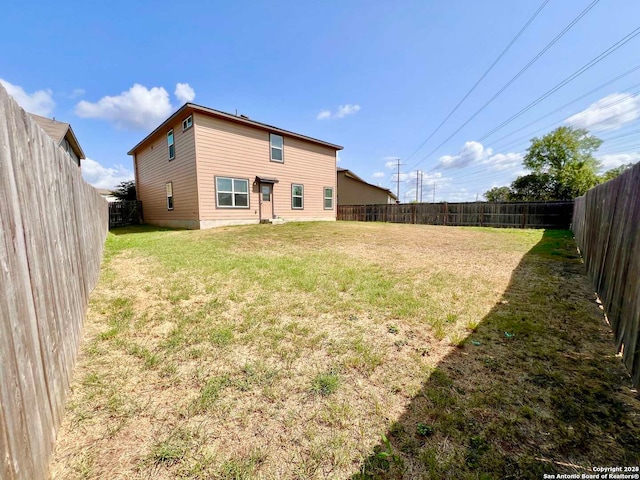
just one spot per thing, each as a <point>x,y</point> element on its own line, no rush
<point>345,350</point>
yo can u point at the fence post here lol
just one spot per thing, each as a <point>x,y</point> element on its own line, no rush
<point>446,213</point>
<point>482,214</point>
<point>524,216</point>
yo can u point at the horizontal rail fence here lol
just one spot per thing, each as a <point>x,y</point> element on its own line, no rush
<point>125,213</point>
<point>607,231</point>
<point>556,215</point>
<point>52,231</point>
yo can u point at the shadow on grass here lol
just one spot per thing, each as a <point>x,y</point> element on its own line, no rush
<point>142,229</point>
<point>536,389</point>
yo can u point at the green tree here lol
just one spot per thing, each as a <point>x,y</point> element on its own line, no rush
<point>532,187</point>
<point>498,194</point>
<point>565,158</point>
<point>614,172</point>
<point>125,191</point>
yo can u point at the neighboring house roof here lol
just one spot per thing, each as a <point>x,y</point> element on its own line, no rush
<point>59,131</point>
<point>107,194</point>
<point>192,107</point>
<point>350,174</point>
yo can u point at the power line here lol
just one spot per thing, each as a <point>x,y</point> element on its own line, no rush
<point>514,78</point>
<point>528,136</point>
<point>619,44</point>
<point>599,87</point>
<point>482,77</point>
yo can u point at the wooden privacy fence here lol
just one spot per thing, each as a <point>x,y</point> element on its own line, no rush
<point>52,231</point>
<point>515,215</point>
<point>607,230</point>
<point>125,213</point>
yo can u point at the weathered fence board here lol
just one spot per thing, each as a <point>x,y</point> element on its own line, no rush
<point>482,214</point>
<point>52,231</point>
<point>607,231</point>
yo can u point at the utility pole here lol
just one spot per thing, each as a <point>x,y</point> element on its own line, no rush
<point>398,177</point>
<point>417,184</point>
<point>434,192</point>
<point>421,184</point>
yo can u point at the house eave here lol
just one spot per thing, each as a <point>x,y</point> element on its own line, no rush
<point>192,107</point>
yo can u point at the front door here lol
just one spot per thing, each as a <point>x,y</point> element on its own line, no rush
<point>266,201</point>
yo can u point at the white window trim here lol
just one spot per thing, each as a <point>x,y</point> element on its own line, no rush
<point>301,197</point>
<point>324,194</point>
<point>173,143</point>
<point>271,147</point>
<point>188,122</point>
<point>232,192</point>
<point>169,196</point>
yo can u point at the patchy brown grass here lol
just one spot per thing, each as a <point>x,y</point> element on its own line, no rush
<point>288,351</point>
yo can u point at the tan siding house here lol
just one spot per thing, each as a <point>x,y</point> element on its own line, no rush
<point>204,168</point>
<point>352,190</point>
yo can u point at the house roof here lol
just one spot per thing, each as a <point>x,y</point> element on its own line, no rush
<point>350,174</point>
<point>58,131</point>
<point>192,107</point>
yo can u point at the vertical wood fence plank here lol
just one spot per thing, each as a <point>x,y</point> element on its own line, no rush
<point>607,230</point>
<point>52,231</point>
<point>554,215</point>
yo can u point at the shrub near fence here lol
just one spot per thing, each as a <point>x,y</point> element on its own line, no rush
<point>482,214</point>
<point>52,231</point>
<point>607,231</point>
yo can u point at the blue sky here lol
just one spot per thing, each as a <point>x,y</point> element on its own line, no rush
<point>374,76</point>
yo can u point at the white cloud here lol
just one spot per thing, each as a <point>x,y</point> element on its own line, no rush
<point>341,112</point>
<point>403,177</point>
<point>348,109</point>
<point>378,175</point>
<point>474,153</point>
<point>39,102</point>
<point>104,177</point>
<point>77,93</point>
<point>608,113</point>
<point>617,159</point>
<point>391,163</point>
<point>184,92</point>
<point>503,161</point>
<point>136,108</point>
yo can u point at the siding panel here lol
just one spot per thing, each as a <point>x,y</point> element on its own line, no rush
<point>154,170</point>
<point>234,150</point>
<point>353,192</point>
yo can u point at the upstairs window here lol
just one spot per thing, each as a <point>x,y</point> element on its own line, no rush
<point>277,145</point>
<point>297,197</point>
<point>328,198</point>
<point>232,192</point>
<point>187,123</point>
<point>171,145</point>
<point>169,187</point>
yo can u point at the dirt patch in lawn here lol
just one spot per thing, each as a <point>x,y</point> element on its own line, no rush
<point>288,351</point>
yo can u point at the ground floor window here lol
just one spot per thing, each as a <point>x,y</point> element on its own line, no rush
<point>169,188</point>
<point>297,196</point>
<point>328,198</point>
<point>232,192</point>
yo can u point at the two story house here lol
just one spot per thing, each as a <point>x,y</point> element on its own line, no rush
<point>203,168</point>
<point>62,134</point>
